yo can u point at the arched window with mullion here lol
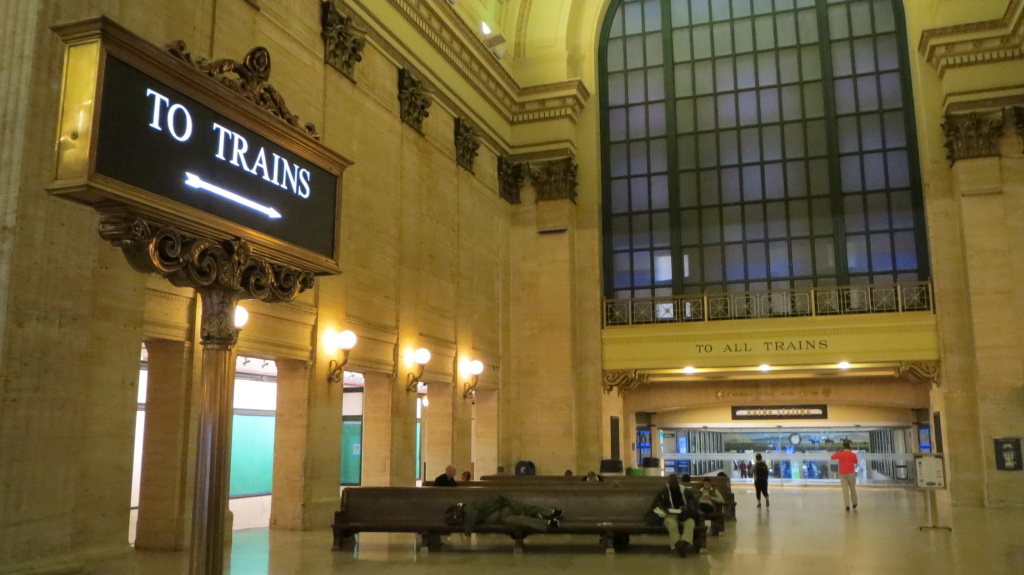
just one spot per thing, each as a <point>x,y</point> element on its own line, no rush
<point>752,145</point>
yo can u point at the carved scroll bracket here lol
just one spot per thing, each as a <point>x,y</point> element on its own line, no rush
<point>223,272</point>
<point>343,41</point>
<point>919,372</point>
<point>252,82</point>
<point>624,381</point>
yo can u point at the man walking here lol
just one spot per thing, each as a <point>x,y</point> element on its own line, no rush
<point>847,473</point>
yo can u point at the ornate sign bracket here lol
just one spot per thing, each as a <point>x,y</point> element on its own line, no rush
<point>624,381</point>
<point>920,372</point>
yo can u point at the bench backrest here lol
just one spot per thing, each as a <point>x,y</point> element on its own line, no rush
<point>426,505</point>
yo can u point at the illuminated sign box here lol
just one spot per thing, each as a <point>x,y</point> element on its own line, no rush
<point>762,412</point>
<point>145,132</point>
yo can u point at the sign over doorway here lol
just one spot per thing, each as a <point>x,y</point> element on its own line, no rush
<point>157,134</point>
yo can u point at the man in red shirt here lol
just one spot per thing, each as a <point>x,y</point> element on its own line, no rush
<point>847,473</point>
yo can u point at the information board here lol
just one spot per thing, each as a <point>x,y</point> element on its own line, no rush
<point>930,474</point>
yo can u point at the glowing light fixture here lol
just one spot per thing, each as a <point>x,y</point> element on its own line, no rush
<point>476,367</point>
<point>844,365</point>
<point>241,316</point>
<point>344,341</point>
<point>689,369</point>
<point>764,367</point>
<point>421,356</point>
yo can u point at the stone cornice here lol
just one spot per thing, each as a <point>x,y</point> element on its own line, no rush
<point>976,43</point>
<point>452,38</point>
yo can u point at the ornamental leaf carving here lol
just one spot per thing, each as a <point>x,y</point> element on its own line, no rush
<point>413,100</point>
<point>467,144</point>
<point>343,41</point>
<point>624,381</point>
<point>252,82</point>
<point>972,136</point>
<point>511,176</point>
<point>555,180</point>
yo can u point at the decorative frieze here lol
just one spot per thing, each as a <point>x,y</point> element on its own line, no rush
<point>511,176</point>
<point>972,136</point>
<point>555,180</point>
<point>413,100</point>
<point>343,41</point>
<point>919,372</point>
<point>624,381</point>
<point>467,144</point>
<point>252,82</point>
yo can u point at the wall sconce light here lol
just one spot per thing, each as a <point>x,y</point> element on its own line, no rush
<point>344,341</point>
<point>421,357</point>
<point>476,367</point>
<point>241,316</point>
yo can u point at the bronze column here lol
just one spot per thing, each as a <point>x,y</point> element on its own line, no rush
<point>213,439</point>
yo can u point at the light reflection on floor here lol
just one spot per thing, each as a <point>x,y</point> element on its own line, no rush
<point>806,531</point>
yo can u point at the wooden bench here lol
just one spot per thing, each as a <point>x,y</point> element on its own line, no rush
<point>613,515</point>
<point>722,484</point>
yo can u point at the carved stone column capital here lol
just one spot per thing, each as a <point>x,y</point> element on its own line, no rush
<point>413,100</point>
<point>1017,113</point>
<point>972,136</point>
<point>467,144</point>
<point>555,180</point>
<point>623,381</point>
<point>343,41</point>
<point>511,176</point>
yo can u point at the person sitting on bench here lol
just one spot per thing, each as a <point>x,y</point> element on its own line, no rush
<point>676,507</point>
<point>501,511</point>
<point>709,497</point>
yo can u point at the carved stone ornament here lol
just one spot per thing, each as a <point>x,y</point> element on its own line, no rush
<point>219,270</point>
<point>467,144</point>
<point>413,100</point>
<point>511,176</point>
<point>555,180</point>
<point>972,136</point>
<point>920,372</point>
<point>252,82</point>
<point>343,41</point>
<point>1018,120</point>
<point>624,381</point>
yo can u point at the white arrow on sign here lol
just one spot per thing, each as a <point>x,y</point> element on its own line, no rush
<point>196,182</point>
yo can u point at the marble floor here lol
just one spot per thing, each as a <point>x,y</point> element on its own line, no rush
<point>805,531</point>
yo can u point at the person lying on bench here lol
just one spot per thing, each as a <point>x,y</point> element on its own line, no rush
<point>676,507</point>
<point>501,511</point>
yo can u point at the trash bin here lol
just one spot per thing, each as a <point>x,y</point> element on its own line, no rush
<point>611,467</point>
<point>651,467</point>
